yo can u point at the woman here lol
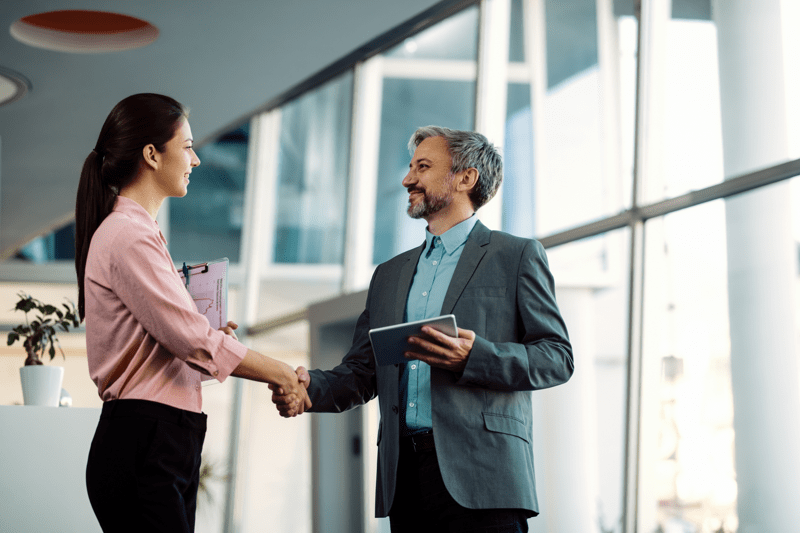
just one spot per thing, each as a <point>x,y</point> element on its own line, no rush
<point>147,345</point>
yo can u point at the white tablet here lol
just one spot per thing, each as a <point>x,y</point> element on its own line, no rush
<point>391,342</point>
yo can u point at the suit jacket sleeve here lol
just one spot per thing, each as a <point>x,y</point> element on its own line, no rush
<point>541,356</point>
<point>353,381</point>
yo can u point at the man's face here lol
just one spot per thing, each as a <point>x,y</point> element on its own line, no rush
<point>429,180</point>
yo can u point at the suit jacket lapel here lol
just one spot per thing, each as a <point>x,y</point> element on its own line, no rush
<point>404,283</point>
<point>474,250</point>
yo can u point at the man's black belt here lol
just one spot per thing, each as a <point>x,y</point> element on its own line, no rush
<point>421,442</point>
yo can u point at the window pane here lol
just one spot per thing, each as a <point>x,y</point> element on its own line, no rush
<point>584,165</point>
<point>455,38</point>
<point>56,246</point>
<point>571,29</point>
<point>207,222</point>
<point>687,472</point>
<point>516,45</point>
<point>691,131</point>
<point>518,169</point>
<point>586,440</point>
<point>312,175</point>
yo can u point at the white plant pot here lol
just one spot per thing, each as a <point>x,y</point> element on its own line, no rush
<point>41,384</point>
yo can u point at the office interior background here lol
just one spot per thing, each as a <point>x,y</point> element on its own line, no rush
<point>651,146</point>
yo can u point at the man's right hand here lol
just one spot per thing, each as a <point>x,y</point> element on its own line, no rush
<point>286,402</point>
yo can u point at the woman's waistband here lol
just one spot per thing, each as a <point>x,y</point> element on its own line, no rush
<point>159,411</point>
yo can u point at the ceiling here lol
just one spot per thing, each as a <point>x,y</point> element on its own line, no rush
<point>224,59</point>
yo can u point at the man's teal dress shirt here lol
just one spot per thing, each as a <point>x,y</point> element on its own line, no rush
<point>425,298</point>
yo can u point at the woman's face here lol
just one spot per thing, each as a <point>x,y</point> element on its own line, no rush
<point>177,161</point>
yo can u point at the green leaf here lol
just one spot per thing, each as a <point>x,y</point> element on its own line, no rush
<point>25,305</point>
<point>12,338</point>
<point>48,309</point>
<point>52,350</point>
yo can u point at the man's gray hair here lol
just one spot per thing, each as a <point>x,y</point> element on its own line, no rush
<point>468,149</point>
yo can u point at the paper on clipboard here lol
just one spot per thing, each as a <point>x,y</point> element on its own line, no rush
<point>208,287</point>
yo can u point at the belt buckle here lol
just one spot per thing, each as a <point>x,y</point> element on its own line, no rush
<point>420,446</point>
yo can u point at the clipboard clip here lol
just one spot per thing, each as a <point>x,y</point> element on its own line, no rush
<point>185,270</point>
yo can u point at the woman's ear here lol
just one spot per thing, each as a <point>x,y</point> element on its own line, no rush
<point>150,156</point>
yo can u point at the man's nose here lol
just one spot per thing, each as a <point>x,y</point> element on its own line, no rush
<point>408,180</point>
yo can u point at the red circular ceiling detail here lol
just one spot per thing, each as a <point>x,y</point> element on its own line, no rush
<point>81,31</point>
<point>80,21</point>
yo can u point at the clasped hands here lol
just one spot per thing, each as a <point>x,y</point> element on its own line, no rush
<point>433,347</point>
<point>288,384</point>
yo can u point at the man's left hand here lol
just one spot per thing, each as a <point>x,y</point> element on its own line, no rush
<point>443,351</point>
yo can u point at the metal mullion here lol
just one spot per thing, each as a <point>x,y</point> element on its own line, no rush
<point>491,90</point>
<point>725,189</point>
<point>257,229</point>
<point>630,496</point>
<point>363,182</point>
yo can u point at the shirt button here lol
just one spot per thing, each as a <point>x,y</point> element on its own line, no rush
<point>413,367</point>
<point>411,404</point>
<point>435,263</point>
<point>216,373</point>
<point>424,293</point>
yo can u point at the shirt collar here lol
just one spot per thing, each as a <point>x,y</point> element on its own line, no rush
<point>137,213</point>
<point>454,237</point>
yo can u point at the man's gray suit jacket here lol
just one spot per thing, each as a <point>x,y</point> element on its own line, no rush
<point>501,289</point>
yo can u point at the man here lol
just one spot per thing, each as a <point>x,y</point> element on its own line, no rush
<point>455,438</point>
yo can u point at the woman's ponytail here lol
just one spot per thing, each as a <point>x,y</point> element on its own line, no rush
<point>94,203</point>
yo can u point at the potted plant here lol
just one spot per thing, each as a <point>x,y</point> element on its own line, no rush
<point>41,385</point>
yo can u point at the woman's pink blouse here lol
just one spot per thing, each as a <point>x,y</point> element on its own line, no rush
<point>145,338</point>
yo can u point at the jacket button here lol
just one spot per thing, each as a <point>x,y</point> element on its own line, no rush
<point>395,409</point>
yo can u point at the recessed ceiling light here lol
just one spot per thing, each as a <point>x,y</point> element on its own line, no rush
<point>83,31</point>
<point>13,86</point>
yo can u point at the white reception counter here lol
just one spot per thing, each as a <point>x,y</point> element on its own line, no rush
<point>43,454</point>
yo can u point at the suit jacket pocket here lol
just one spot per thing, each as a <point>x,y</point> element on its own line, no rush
<point>507,424</point>
<point>484,292</point>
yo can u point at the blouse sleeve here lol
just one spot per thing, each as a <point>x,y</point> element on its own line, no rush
<point>146,282</point>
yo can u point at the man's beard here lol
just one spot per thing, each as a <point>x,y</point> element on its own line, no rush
<point>429,205</point>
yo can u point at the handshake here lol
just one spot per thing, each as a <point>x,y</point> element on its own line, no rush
<point>290,396</point>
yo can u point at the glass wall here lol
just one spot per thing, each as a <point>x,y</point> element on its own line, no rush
<point>585,450</point>
<point>569,134</point>
<point>686,111</point>
<point>313,164</point>
<point>207,223</point>
<point>56,246</point>
<point>686,459</point>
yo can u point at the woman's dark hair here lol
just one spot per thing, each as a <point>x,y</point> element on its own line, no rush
<point>134,123</point>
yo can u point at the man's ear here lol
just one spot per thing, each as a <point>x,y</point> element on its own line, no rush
<point>467,179</point>
<point>150,156</point>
